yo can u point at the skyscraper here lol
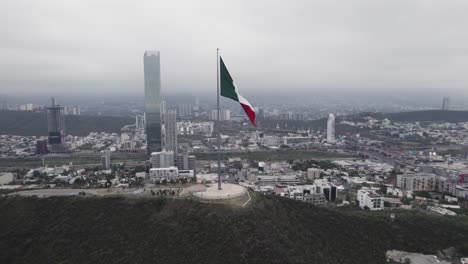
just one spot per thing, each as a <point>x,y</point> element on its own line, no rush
<point>105,160</point>
<point>139,122</point>
<point>152,71</point>
<point>170,131</point>
<point>446,103</point>
<point>261,113</point>
<point>56,127</point>
<point>163,107</point>
<point>331,128</point>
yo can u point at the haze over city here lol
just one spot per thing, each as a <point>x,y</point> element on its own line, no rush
<point>272,46</point>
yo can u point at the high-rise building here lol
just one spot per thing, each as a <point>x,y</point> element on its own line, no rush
<point>331,128</point>
<point>76,110</point>
<point>41,146</point>
<point>3,104</point>
<point>225,115</point>
<point>261,113</point>
<point>285,116</point>
<point>446,103</point>
<point>105,160</point>
<point>186,162</point>
<point>162,159</point>
<point>196,107</point>
<point>163,107</point>
<point>214,114</point>
<point>170,131</point>
<point>298,116</point>
<point>139,122</point>
<point>72,110</point>
<point>152,72</point>
<point>56,127</point>
<point>197,104</point>
<point>184,110</point>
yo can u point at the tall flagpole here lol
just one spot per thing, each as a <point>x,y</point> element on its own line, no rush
<point>218,114</point>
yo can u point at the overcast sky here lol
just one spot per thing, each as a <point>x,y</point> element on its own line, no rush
<point>291,46</point>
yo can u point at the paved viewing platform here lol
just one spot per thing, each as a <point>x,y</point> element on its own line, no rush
<point>228,191</point>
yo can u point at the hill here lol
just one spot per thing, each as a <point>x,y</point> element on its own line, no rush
<point>270,230</point>
<point>25,123</point>
<point>426,115</point>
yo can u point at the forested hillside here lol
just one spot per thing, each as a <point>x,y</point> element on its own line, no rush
<point>270,230</point>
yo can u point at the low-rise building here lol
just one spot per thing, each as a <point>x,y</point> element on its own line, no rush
<point>6,178</point>
<point>369,199</point>
<point>313,173</point>
<point>160,174</point>
<point>315,198</point>
<point>279,179</point>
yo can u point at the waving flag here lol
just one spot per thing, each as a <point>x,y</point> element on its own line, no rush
<point>229,90</point>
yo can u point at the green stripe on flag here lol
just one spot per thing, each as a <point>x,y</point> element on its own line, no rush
<point>227,84</point>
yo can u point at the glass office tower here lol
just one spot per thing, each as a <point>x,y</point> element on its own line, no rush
<point>56,127</point>
<point>152,100</point>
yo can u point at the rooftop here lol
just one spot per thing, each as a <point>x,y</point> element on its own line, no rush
<point>151,53</point>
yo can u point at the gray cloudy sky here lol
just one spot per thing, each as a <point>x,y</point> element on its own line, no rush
<point>293,46</point>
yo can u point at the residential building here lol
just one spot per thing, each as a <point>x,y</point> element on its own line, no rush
<point>418,182</point>
<point>331,128</point>
<point>106,160</point>
<point>186,162</point>
<point>184,110</point>
<point>170,131</point>
<point>446,103</point>
<point>225,115</point>
<point>41,146</point>
<point>139,122</point>
<point>162,159</point>
<point>369,199</point>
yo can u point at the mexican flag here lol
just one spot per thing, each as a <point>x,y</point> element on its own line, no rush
<point>229,90</point>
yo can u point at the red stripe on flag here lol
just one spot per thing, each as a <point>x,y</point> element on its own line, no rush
<point>250,113</point>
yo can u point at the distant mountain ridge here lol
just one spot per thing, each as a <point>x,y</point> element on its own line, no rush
<point>423,115</point>
<point>431,115</point>
<point>26,123</point>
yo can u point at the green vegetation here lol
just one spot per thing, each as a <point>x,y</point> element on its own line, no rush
<point>275,155</point>
<point>25,123</point>
<point>79,159</point>
<point>155,230</point>
<point>322,164</point>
